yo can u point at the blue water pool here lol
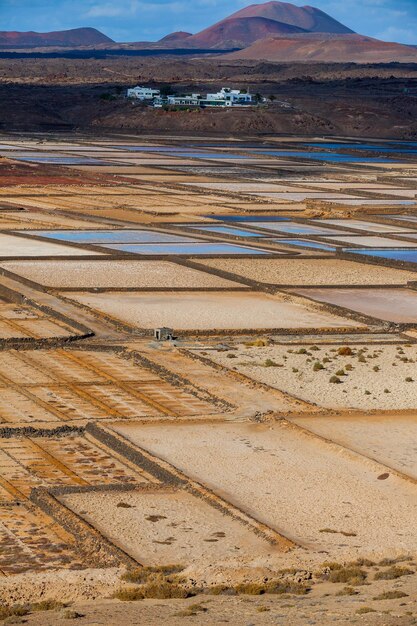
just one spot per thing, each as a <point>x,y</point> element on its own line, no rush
<point>63,160</point>
<point>229,230</point>
<point>333,157</point>
<point>112,236</point>
<point>291,228</point>
<point>197,249</point>
<point>400,254</point>
<point>307,244</point>
<point>362,146</point>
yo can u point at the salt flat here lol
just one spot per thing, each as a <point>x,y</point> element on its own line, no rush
<point>211,311</point>
<point>292,482</point>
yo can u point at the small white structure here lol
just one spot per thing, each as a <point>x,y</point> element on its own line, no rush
<point>163,334</point>
<point>143,93</point>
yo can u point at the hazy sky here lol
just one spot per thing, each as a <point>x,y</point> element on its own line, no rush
<point>138,20</point>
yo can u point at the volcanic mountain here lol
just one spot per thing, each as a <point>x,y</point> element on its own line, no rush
<point>258,21</point>
<point>74,37</point>
<point>240,32</point>
<point>177,37</point>
<point>328,48</point>
<point>307,18</point>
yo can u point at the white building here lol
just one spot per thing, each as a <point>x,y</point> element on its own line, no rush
<point>230,97</point>
<point>186,100</point>
<point>143,93</point>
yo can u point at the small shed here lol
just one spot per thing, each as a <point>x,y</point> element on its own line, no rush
<point>163,334</point>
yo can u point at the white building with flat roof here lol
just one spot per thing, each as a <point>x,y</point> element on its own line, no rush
<point>143,93</point>
<point>230,97</point>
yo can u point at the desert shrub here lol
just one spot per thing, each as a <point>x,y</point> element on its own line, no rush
<point>335,380</point>
<point>47,605</point>
<point>398,559</point>
<point>257,343</point>
<point>393,572</point>
<point>350,575</point>
<point>16,610</point>
<point>70,614</point>
<point>162,589</point>
<point>128,594</point>
<point>221,590</point>
<point>317,366</point>
<point>142,574</point>
<point>362,562</point>
<point>365,609</point>
<point>347,591</point>
<point>409,379</point>
<point>192,610</point>
<point>271,363</point>
<point>272,587</point>
<point>340,373</point>
<point>345,351</point>
<point>391,595</point>
<point>332,565</point>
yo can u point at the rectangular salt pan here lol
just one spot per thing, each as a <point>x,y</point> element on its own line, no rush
<point>188,249</point>
<point>407,256</point>
<point>112,236</point>
<point>248,218</point>
<point>228,230</point>
<point>292,228</point>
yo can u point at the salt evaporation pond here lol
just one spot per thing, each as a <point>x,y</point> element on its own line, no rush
<point>112,236</point>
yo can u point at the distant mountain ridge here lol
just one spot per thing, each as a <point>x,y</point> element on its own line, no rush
<point>73,37</point>
<point>315,47</point>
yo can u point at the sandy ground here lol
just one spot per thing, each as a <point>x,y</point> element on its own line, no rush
<point>132,274</point>
<point>200,311</point>
<point>294,483</point>
<point>323,609</point>
<point>392,440</point>
<point>362,387</point>
<point>171,527</point>
<point>25,247</point>
<point>311,272</point>
<point>391,305</point>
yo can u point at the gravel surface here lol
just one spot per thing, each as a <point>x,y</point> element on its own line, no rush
<point>363,387</point>
<point>311,272</point>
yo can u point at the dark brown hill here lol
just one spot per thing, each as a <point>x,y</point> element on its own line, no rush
<point>177,37</point>
<point>74,37</point>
